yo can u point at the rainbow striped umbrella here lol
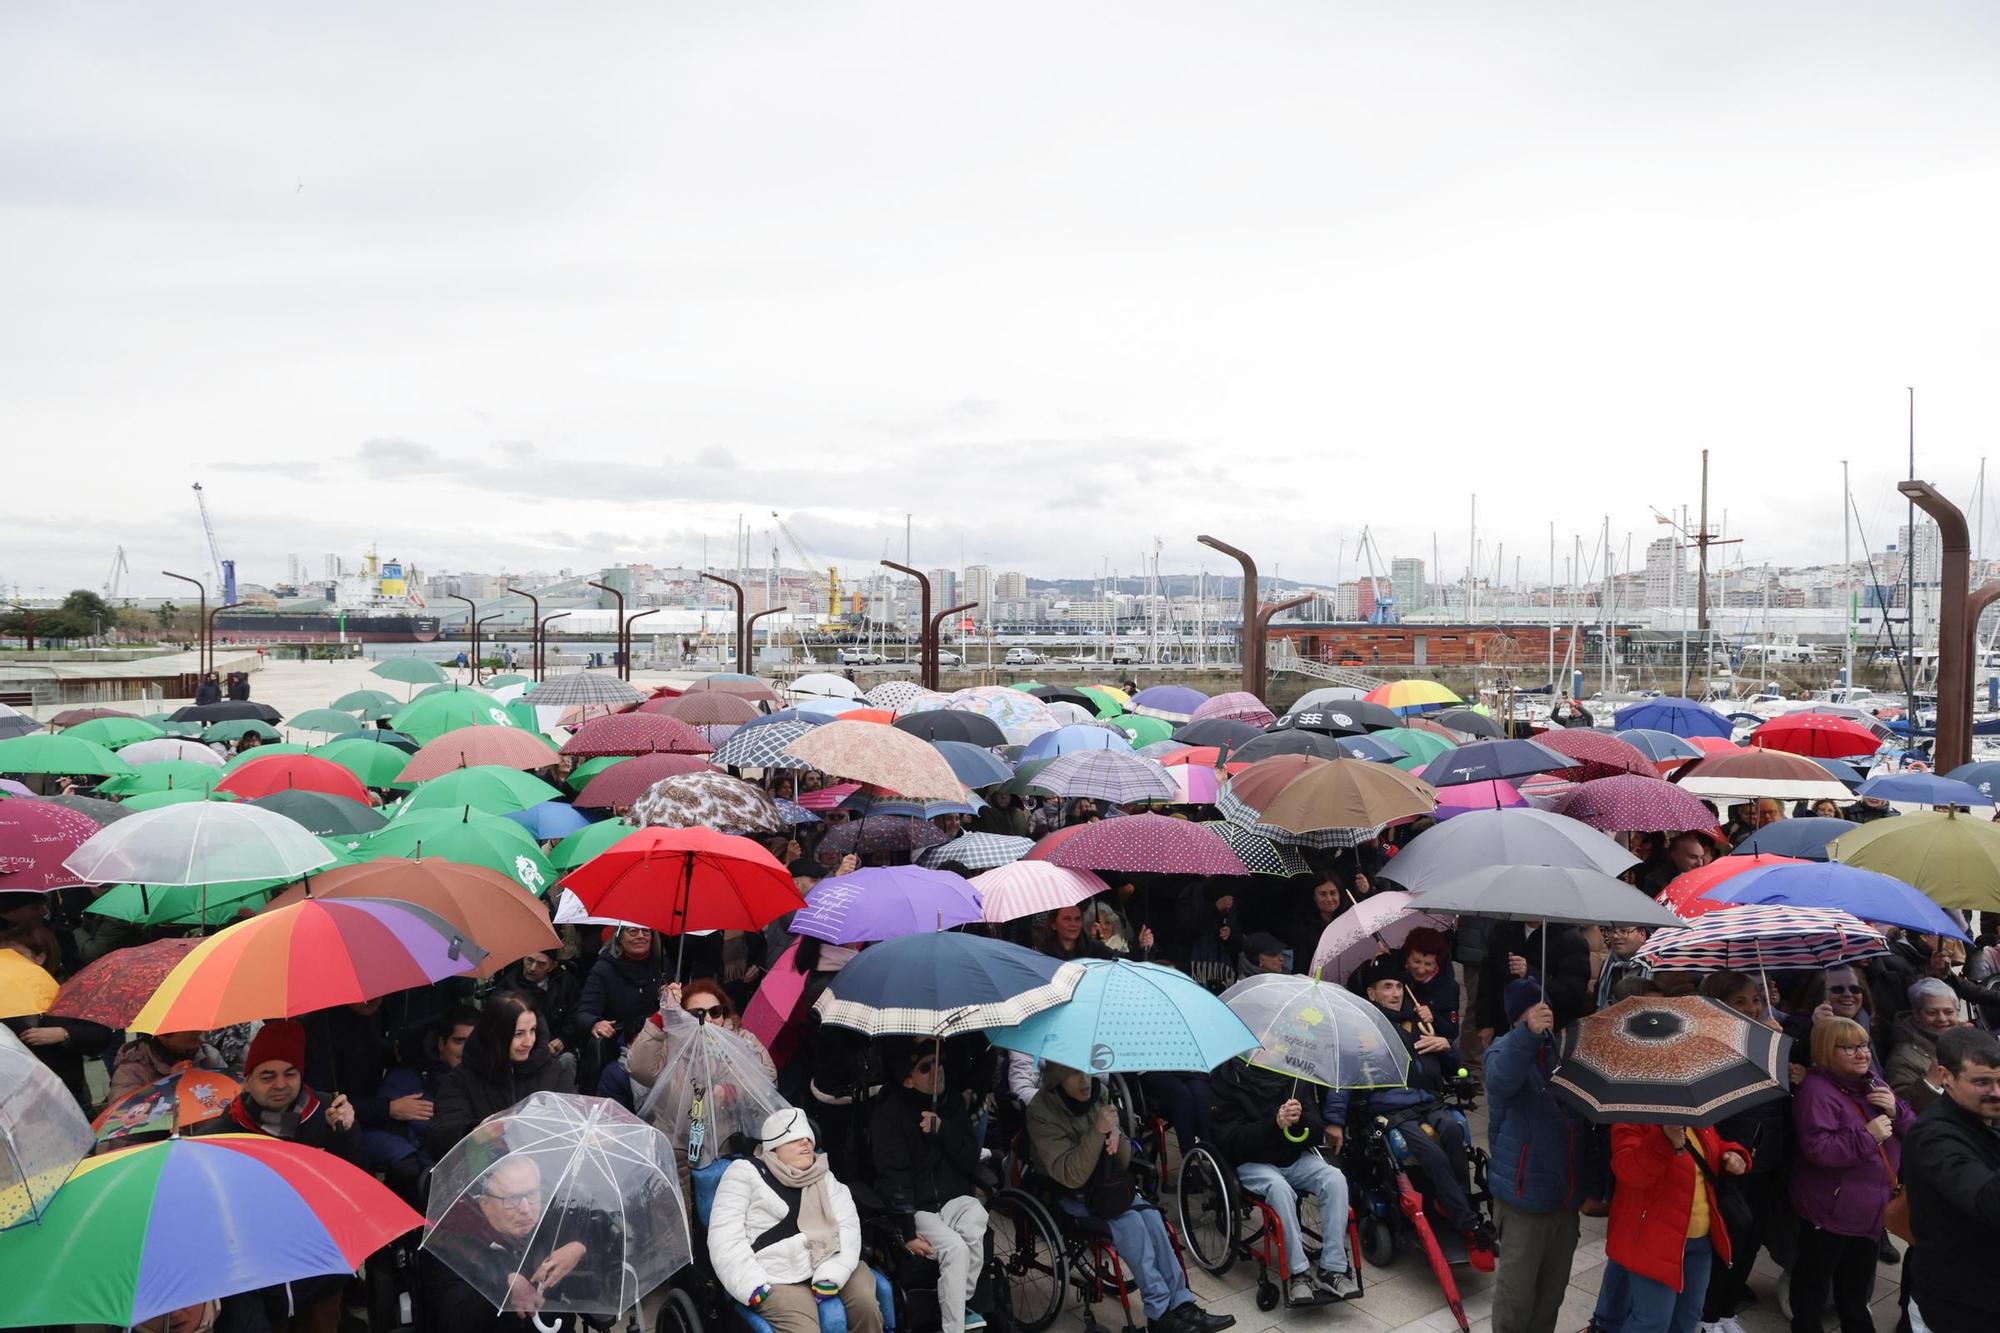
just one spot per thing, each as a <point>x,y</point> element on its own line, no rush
<point>1412,696</point>
<point>140,1233</point>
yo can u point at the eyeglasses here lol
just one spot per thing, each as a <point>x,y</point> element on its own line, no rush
<point>518,1202</point>
<point>1624,930</point>
<point>1862,1049</point>
<point>705,1011</point>
<point>923,1066</point>
<point>1843,990</point>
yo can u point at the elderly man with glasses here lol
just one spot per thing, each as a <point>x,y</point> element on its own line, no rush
<point>926,1159</point>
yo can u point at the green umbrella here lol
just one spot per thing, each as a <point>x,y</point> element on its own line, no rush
<point>181,904</point>
<point>509,678</point>
<point>370,704</point>
<point>585,843</point>
<point>322,815</point>
<point>1025,685</point>
<point>1025,775</point>
<point>522,712</point>
<point>227,732</point>
<point>487,788</point>
<point>376,765</point>
<point>165,722</point>
<point>1143,730</point>
<point>112,732</point>
<point>1107,703</point>
<point>153,800</point>
<point>164,775</point>
<point>426,719</point>
<point>263,752</point>
<point>410,670</point>
<point>1420,747</point>
<point>45,752</point>
<point>464,835</point>
<point>330,720</point>
<point>590,768</point>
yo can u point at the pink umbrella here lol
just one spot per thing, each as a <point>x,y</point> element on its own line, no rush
<point>35,836</point>
<point>1237,706</point>
<point>1599,754</point>
<point>827,798</point>
<point>623,783</point>
<point>473,747</point>
<point>1139,843</point>
<point>1194,784</point>
<point>1381,920</point>
<point>1629,803</point>
<point>1494,794</point>
<point>768,1017</point>
<point>635,733</point>
<point>1023,888</point>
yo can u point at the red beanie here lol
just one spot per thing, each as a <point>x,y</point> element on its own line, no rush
<point>280,1039</point>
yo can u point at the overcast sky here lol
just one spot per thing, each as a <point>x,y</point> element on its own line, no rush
<point>541,285</point>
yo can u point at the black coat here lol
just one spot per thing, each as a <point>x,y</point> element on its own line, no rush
<point>1951,1168</point>
<point>1243,1110</point>
<point>1566,987</point>
<point>555,1000</point>
<point>346,1053</point>
<point>469,1095</point>
<point>915,1171</point>
<point>624,991</point>
<point>68,1060</point>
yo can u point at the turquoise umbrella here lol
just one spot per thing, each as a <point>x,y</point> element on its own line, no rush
<point>330,720</point>
<point>1130,1018</point>
<point>410,670</point>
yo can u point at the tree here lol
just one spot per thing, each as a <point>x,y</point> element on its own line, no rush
<point>165,615</point>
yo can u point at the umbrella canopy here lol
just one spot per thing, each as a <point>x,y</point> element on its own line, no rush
<point>944,983</point>
<point>1865,893</point>
<point>1235,706</point>
<point>621,783</point>
<point>1318,1032</point>
<point>110,991</point>
<point>1117,776</point>
<point>1140,730</point>
<point>42,1133</point>
<point>1678,717</point>
<point>707,709</point>
<point>1597,754</point>
<point>170,748</point>
<point>205,843</point>
<point>1954,859</point>
<point>458,833</point>
<point>1686,896</point>
<point>430,716</point>
<point>228,733</point>
<point>635,733</point>
<point>678,880</point>
<point>184,1098</point>
<point>482,905</point>
<point>489,788</point>
<point>1923,789</point>
<point>893,694</point>
<point>1347,717</point>
<point>1629,803</point>
<point>1026,888</point>
<point>1411,696</point>
<point>1800,839</point>
<point>1748,774</point>
<point>876,834</point>
<point>477,747</point>
<point>584,688</point>
<point>25,987</point>
<point>1418,748</point>
<point>1271,744</point>
<point>1662,747</point>
<point>116,1247</point>
<point>1365,928</point>
<point>1226,733</point>
<point>1757,939</point>
<point>977,766</point>
<point>1323,802</point>
<point>762,744</point>
<point>977,851</point>
<point>410,671</point>
<point>234,711</point>
<point>754,688</point>
<point>93,808</point>
<point>35,838</point>
<point>1668,1060</point>
<point>371,704</point>
<point>1175,703</point>
<point>1021,717</point>
<point>377,765</point>
<point>944,724</point>
<point>43,752</point>
<point>1815,735</point>
<point>330,721</point>
<point>1260,855</point>
<point>708,800</point>
<point>714,1085</point>
<point>76,717</point>
<point>886,903</point>
<point>1470,723</point>
<point>1544,893</point>
<point>824,685</point>
<point>1065,740</point>
<point>321,815</point>
<point>889,757</point>
<point>1148,842</point>
<point>267,775</point>
<point>115,732</point>
<point>1130,1018</point>
<point>1493,761</point>
<point>312,955</point>
<point>1983,776</point>
<point>1469,796</point>
<point>587,842</point>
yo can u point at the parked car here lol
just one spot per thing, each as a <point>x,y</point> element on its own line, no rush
<point>858,657</point>
<point>1024,657</point>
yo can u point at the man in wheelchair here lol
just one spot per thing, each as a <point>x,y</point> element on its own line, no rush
<point>1432,1134</point>
<point>1273,1139</point>
<point>926,1159</point>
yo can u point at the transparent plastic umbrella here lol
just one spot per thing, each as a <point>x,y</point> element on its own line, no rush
<point>208,842</point>
<point>562,1205</point>
<point>1319,1032</point>
<point>42,1133</point>
<point>712,1086</point>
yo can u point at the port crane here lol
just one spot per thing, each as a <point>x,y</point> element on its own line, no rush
<point>223,571</point>
<point>826,587</point>
<point>114,582</point>
<point>1383,609</point>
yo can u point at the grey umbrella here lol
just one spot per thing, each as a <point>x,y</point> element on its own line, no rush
<point>584,687</point>
<point>1575,894</point>
<point>1482,839</point>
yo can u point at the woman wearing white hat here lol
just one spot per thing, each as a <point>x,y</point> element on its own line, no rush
<point>783,1233</point>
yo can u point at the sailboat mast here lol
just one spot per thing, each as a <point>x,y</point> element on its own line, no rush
<point>1847,576</point>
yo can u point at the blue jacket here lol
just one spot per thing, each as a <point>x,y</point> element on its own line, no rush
<point>1545,1159</point>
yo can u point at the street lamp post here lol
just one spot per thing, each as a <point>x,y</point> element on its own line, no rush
<point>631,620</point>
<point>1953,745</point>
<point>933,669</point>
<point>1253,647</point>
<point>201,620</point>
<point>472,631</point>
<point>624,658</point>
<point>742,637</point>
<point>750,625</point>
<point>210,621</point>
<point>924,668</point>
<point>543,635</point>
<point>534,631</point>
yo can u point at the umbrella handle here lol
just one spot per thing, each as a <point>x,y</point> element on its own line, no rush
<point>545,1326</point>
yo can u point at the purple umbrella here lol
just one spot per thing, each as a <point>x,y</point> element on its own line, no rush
<point>886,903</point>
<point>13,788</point>
<point>1175,703</point>
<point>1633,804</point>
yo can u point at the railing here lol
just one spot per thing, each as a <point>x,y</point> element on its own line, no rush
<point>1284,656</point>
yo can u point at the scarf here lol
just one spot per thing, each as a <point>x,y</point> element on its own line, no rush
<point>816,1222</point>
<point>277,1124</point>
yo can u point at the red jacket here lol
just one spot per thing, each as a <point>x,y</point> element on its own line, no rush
<point>1655,1195</point>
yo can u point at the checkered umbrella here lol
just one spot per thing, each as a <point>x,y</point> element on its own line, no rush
<point>1108,775</point>
<point>1753,938</point>
<point>977,851</point>
<point>585,687</point>
<point>1263,856</point>
<point>763,746</point>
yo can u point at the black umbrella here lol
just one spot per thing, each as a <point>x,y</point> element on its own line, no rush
<point>1493,761</point>
<point>322,815</point>
<point>1225,732</point>
<point>17,724</point>
<point>952,724</point>
<point>1057,694</point>
<point>1346,717</point>
<point>1263,856</point>
<point>1660,1060</point>
<point>93,807</point>
<point>241,711</point>
<point>1287,742</point>
<point>1469,722</point>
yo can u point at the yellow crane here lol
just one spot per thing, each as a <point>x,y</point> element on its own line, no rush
<point>825,589</point>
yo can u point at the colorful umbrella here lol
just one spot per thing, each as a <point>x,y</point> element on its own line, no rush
<point>1815,735</point>
<point>1745,775</point>
<point>1146,842</point>
<point>1130,1018</point>
<point>1629,803</point>
<point>477,747</point>
<point>886,903</point>
<point>977,851</point>
<point>312,955</point>
<point>462,835</point>
<point>1598,754</point>
<point>110,991</point>
<point>25,987</point>
<point>185,1097</point>
<point>635,733</point>
<point>1686,896</point>
<point>1799,839</point>
<point>268,775</point>
<point>1363,929</point>
<point>488,788</point>
<point>1679,717</point>
<point>117,1246</point>
<point>1020,717</point>
<point>678,880</point>
<point>1025,888</point>
<point>944,983</point>
<point>1668,1060</point>
<point>1865,893</point>
<point>1758,939</point>
<point>42,1135</point>
<point>1323,802</point>
<point>35,838</point>
<point>885,756</point>
<point>1318,1032</point>
<point>205,843</point>
<point>1412,696</point>
<point>482,905</point>
<point>58,753</point>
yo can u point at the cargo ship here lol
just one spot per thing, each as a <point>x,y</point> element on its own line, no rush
<point>377,604</point>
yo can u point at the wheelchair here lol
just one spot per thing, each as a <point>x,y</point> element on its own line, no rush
<point>1222,1220</point>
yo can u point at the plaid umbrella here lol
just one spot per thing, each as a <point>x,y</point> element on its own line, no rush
<point>875,834</point>
<point>1146,842</point>
<point>1661,1060</point>
<point>1753,938</point>
<point>763,746</point>
<point>1599,754</point>
<point>1117,776</point>
<point>635,733</point>
<point>1629,803</point>
<point>977,851</point>
<point>625,782</point>
<point>1236,706</point>
<point>1323,802</point>
<point>585,687</point>
<point>1026,888</point>
<point>1259,853</point>
<point>706,800</point>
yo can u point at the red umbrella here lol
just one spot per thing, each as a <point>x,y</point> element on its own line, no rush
<point>635,733</point>
<point>1629,803</point>
<point>1598,754</point>
<point>1138,843</point>
<point>472,747</point>
<point>111,990</point>
<point>1046,846</point>
<point>678,880</point>
<point>627,780</point>
<point>1816,735</point>
<point>35,837</point>
<point>707,708</point>
<point>293,772</point>
<point>71,717</point>
<point>1686,897</point>
<point>1713,744</point>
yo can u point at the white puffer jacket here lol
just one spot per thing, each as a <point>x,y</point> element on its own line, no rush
<point>745,1208</point>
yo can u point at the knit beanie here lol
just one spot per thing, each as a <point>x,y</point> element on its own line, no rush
<point>282,1040</point>
<point>1521,996</point>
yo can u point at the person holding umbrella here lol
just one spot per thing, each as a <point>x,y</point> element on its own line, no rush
<point>498,1237</point>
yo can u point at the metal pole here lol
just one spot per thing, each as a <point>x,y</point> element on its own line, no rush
<point>1910,601</point>
<point>742,637</point>
<point>935,645</point>
<point>750,625</point>
<point>1846,582</point>
<point>201,620</point>
<point>630,621</point>
<point>1264,615</point>
<point>1253,654</point>
<point>1954,678</point>
<point>926,672</point>
<point>472,631</point>
<point>544,637</point>
<point>534,632</point>
<point>624,671</point>
<point>211,628</point>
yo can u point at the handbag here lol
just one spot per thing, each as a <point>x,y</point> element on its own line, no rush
<point>1896,1217</point>
<point>1109,1191</point>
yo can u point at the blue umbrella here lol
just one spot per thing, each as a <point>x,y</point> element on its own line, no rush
<point>1493,761</point>
<point>1061,741</point>
<point>1658,746</point>
<point>792,813</point>
<point>1923,789</point>
<point>1983,776</point>
<point>786,715</point>
<point>865,803</point>
<point>942,984</point>
<point>1864,893</point>
<point>1129,1018</point>
<point>1840,768</point>
<point>1800,839</point>
<point>550,820</point>
<point>1367,747</point>
<point>1682,717</point>
<point>977,766</point>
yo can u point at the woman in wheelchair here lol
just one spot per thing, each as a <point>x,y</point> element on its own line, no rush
<point>1073,1134</point>
<point>784,1235</point>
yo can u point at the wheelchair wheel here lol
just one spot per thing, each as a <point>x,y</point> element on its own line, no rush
<point>677,1314</point>
<point>1028,1255</point>
<point>1206,1198</point>
<point>1378,1241</point>
<point>1267,1295</point>
<point>1131,1104</point>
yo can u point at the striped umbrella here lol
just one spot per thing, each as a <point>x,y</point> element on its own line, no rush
<point>1745,775</point>
<point>1117,776</point>
<point>1259,853</point>
<point>1629,803</point>
<point>1754,938</point>
<point>977,851</point>
<point>1026,888</point>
